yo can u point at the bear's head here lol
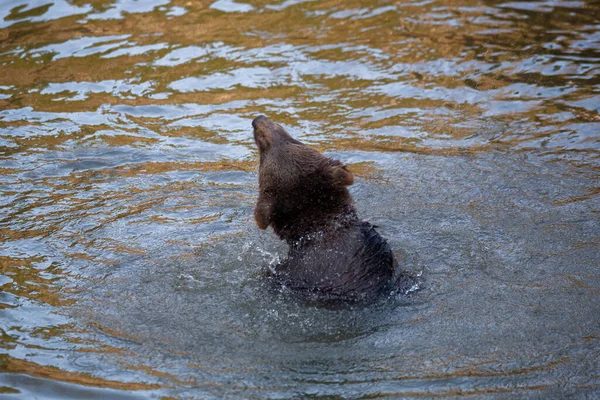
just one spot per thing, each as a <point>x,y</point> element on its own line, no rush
<point>299,187</point>
<point>284,160</point>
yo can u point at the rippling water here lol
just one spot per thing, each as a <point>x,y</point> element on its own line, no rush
<point>130,264</point>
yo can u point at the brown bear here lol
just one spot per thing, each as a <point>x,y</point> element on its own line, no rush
<point>303,197</point>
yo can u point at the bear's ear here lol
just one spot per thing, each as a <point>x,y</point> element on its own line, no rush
<point>341,176</point>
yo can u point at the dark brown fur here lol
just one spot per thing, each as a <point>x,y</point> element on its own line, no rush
<point>303,197</point>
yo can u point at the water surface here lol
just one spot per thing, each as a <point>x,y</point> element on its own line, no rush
<point>130,264</point>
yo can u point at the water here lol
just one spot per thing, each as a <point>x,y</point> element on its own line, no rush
<point>130,265</point>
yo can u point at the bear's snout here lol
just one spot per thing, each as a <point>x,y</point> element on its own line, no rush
<point>262,132</point>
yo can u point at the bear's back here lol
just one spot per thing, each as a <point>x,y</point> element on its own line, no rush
<point>351,263</point>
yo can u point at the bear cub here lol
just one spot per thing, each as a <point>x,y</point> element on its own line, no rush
<point>303,196</point>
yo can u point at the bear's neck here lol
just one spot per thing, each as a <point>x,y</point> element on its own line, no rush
<point>316,224</point>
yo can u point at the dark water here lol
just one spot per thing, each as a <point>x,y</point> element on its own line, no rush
<point>130,265</point>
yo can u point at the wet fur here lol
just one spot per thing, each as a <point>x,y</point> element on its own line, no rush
<point>303,196</point>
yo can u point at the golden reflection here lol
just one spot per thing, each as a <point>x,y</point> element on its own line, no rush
<point>195,132</point>
<point>401,35</point>
<point>34,283</point>
<point>126,140</point>
<point>152,168</point>
<point>591,194</point>
<point>13,365</point>
<point>153,372</point>
<point>199,26</point>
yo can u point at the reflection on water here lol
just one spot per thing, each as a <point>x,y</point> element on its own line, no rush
<point>130,266</point>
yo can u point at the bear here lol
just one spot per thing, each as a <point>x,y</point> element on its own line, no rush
<point>303,195</point>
